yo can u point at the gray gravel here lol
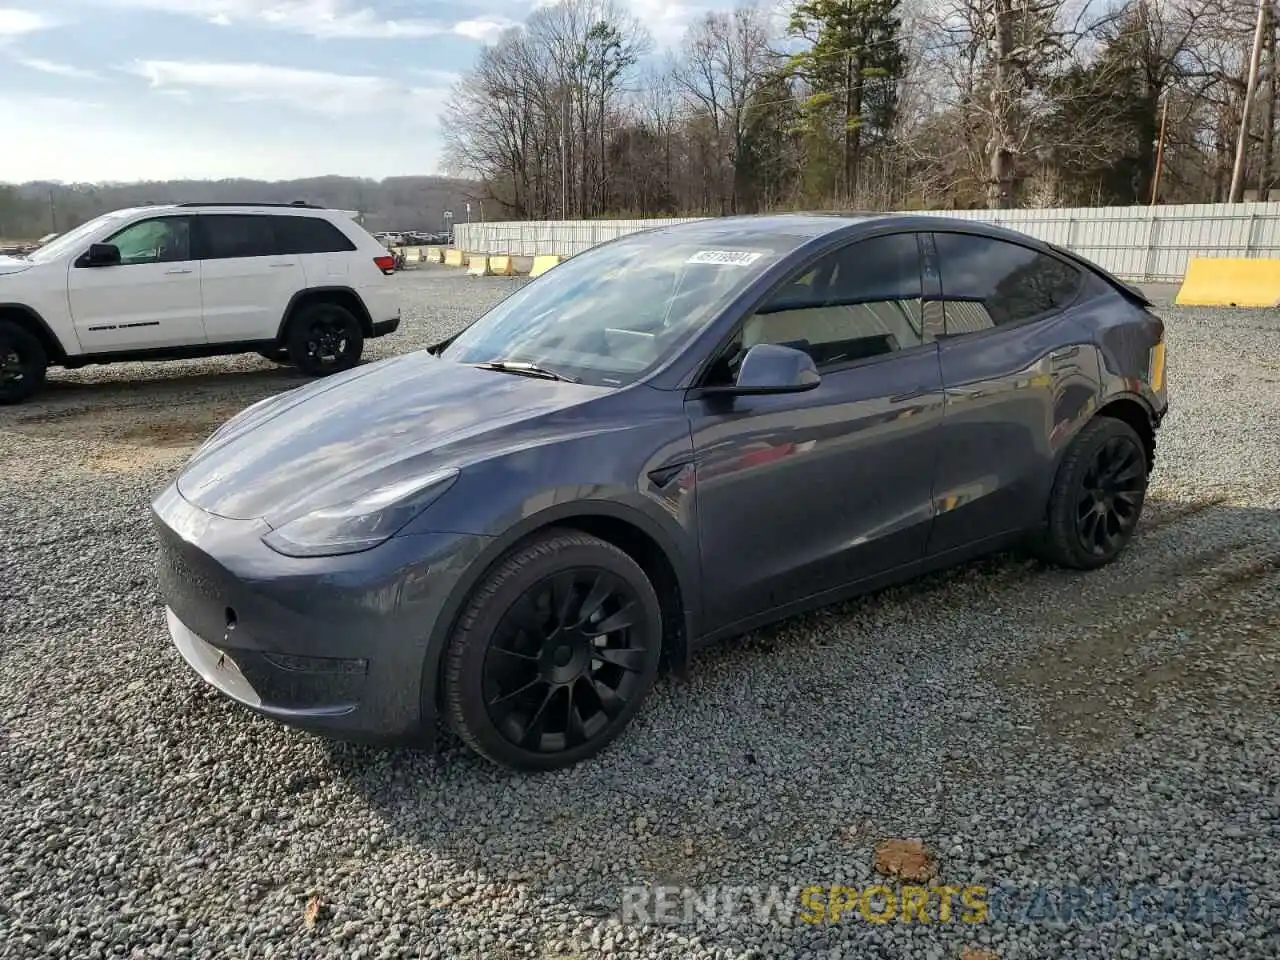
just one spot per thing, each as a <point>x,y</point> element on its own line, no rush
<point>1035,728</point>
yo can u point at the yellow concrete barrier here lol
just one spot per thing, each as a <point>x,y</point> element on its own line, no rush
<point>502,267</point>
<point>413,255</point>
<point>542,264</point>
<point>455,258</point>
<point>478,266</point>
<point>1226,282</point>
<point>434,255</point>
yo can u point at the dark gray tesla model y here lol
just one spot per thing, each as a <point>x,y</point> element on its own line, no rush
<point>667,440</point>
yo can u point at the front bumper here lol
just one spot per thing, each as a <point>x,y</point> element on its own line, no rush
<point>336,645</point>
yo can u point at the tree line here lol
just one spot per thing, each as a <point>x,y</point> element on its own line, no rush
<point>29,211</point>
<point>871,104</point>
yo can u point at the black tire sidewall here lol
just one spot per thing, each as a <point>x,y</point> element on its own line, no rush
<point>465,656</point>
<point>299,333</point>
<point>1064,546</point>
<point>34,362</point>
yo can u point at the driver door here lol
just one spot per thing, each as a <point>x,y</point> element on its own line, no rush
<point>151,299</point>
<point>801,495</point>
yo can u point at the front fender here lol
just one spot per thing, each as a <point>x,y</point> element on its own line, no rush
<point>679,548</point>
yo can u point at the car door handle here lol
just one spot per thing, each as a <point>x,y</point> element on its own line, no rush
<point>177,271</point>
<point>282,266</point>
<point>1059,358</point>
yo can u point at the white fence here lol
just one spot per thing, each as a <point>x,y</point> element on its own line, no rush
<point>1136,243</point>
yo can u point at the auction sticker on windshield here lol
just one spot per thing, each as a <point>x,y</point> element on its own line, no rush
<point>728,258</point>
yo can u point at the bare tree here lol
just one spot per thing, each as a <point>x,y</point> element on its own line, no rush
<point>727,58</point>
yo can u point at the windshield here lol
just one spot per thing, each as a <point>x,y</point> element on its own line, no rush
<point>608,316</point>
<point>58,246</point>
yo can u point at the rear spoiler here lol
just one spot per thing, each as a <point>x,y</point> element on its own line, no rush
<point>1127,290</point>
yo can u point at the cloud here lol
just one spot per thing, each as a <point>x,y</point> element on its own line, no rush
<point>485,29</point>
<point>55,68</point>
<point>17,23</point>
<point>331,94</point>
<point>323,19</point>
<point>142,145</point>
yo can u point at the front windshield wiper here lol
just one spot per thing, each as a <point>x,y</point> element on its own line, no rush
<point>524,368</point>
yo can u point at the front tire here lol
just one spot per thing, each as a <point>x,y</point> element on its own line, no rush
<point>1097,496</point>
<point>554,653</point>
<point>324,338</point>
<point>23,363</point>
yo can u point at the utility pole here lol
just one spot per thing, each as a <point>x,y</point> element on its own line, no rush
<point>53,213</point>
<point>1164,120</point>
<point>1250,91</point>
<point>1269,116</point>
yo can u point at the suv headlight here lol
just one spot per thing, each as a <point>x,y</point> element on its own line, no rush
<point>362,523</point>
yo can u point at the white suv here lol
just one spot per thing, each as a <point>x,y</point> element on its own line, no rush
<point>296,283</point>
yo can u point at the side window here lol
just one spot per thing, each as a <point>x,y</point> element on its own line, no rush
<point>860,301</point>
<point>309,235</point>
<point>228,236</point>
<point>164,240</point>
<point>989,283</point>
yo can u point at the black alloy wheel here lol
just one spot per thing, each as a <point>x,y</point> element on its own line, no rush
<point>325,338</point>
<point>1110,496</point>
<point>555,653</point>
<point>1097,497</point>
<point>23,363</point>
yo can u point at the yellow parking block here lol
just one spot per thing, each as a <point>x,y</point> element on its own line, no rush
<point>542,264</point>
<point>1228,282</point>
<point>501,267</point>
<point>454,258</point>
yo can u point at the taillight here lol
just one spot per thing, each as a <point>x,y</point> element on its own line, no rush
<point>1155,367</point>
<point>386,264</point>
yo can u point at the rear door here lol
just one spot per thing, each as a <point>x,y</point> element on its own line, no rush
<point>150,300</point>
<point>1018,371</point>
<point>246,282</point>
<point>323,250</point>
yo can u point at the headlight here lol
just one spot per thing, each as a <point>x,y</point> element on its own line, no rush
<point>359,524</point>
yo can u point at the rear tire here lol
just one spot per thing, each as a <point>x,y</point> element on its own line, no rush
<point>1097,497</point>
<point>554,653</point>
<point>323,339</point>
<point>23,363</point>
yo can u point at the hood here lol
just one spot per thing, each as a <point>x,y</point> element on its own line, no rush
<point>14,265</point>
<point>337,438</point>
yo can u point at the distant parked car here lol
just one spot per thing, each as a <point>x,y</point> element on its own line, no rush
<point>671,438</point>
<point>295,283</point>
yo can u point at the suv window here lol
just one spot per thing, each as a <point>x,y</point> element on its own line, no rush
<point>309,235</point>
<point>161,240</point>
<point>860,301</point>
<point>228,235</point>
<point>989,283</point>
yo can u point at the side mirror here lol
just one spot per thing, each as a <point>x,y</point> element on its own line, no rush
<point>770,368</point>
<point>101,255</point>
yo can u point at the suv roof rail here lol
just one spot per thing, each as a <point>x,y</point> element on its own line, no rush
<point>250,203</point>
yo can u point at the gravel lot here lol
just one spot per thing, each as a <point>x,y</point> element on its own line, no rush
<point>1034,728</point>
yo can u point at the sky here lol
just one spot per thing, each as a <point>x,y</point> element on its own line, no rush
<point>123,90</point>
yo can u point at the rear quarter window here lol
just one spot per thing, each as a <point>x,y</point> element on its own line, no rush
<point>297,235</point>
